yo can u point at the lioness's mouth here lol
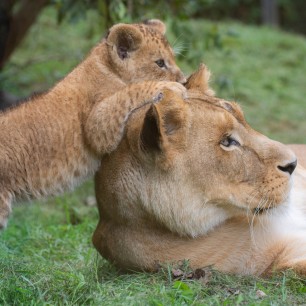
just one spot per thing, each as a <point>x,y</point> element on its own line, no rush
<point>262,210</point>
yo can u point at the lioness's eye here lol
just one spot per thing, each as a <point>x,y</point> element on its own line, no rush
<point>229,141</point>
<point>160,63</point>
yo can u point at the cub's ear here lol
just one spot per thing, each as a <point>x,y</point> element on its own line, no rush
<point>199,81</point>
<point>164,127</point>
<point>156,24</point>
<point>126,38</point>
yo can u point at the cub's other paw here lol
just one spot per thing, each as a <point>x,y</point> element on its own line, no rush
<point>3,222</point>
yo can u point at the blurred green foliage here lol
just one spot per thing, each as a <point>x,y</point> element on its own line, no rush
<point>292,14</point>
<point>262,68</point>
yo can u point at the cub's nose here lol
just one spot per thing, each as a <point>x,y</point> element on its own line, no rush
<point>288,168</point>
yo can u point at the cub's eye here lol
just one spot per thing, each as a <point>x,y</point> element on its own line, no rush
<point>161,63</point>
<point>229,141</point>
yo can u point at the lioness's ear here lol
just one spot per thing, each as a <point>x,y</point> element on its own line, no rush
<point>156,24</point>
<point>199,81</point>
<point>150,135</point>
<point>126,38</point>
<point>164,127</point>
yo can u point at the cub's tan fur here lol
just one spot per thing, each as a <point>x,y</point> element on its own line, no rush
<point>56,140</point>
<point>192,180</point>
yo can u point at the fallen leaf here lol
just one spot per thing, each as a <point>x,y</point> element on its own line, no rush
<point>199,273</point>
<point>176,273</point>
<point>233,291</point>
<point>90,201</point>
<point>260,294</point>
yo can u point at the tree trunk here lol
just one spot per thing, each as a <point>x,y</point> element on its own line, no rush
<point>5,9</point>
<point>269,12</point>
<point>15,26</point>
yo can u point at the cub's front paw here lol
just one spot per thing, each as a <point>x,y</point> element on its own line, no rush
<point>174,87</point>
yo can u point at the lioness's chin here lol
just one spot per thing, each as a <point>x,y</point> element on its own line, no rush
<point>272,205</point>
<point>263,204</point>
<point>266,207</point>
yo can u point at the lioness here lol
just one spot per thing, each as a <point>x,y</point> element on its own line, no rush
<point>192,180</point>
<point>55,140</point>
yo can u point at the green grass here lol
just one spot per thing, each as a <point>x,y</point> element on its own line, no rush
<point>46,255</point>
<point>47,260</point>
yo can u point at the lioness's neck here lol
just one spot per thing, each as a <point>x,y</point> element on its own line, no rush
<point>153,195</point>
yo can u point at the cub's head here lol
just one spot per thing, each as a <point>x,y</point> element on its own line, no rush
<point>140,52</point>
<point>190,165</point>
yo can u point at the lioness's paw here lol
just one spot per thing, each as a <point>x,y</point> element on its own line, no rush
<point>174,87</point>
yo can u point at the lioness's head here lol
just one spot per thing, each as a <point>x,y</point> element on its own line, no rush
<point>189,165</point>
<point>142,50</point>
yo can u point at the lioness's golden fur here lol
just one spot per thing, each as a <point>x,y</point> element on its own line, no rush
<point>56,140</point>
<point>192,180</point>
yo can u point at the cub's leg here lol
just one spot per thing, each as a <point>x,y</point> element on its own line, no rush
<point>5,208</point>
<point>105,124</point>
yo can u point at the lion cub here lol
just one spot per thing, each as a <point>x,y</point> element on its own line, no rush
<point>56,140</point>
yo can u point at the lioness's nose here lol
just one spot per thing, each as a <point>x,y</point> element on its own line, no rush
<point>289,167</point>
